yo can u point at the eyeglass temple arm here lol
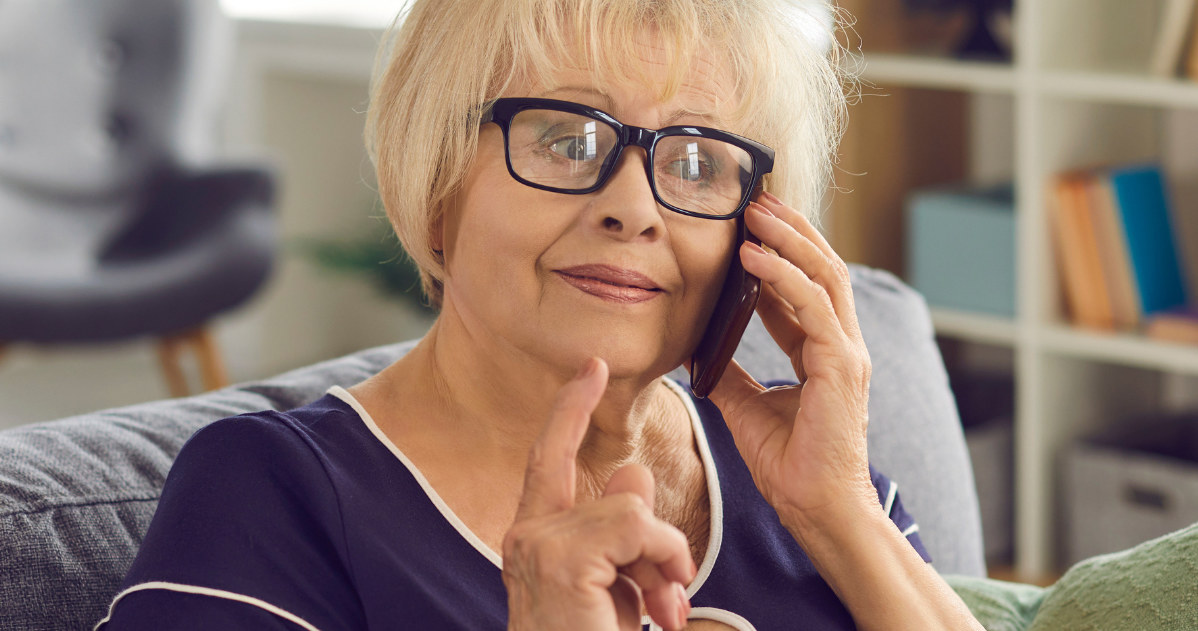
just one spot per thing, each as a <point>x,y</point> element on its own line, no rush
<point>488,113</point>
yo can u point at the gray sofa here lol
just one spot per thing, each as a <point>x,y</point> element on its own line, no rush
<point>76,495</point>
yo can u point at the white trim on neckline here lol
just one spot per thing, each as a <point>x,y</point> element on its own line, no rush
<point>721,615</point>
<point>207,591</point>
<point>715,499</point>
<point>446,511</point>
<point>715,537</point>
<point>713,614</point>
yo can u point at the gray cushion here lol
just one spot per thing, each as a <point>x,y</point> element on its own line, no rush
<point>76,495</point>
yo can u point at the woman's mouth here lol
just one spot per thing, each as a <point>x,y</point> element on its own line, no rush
<point>608,282</point>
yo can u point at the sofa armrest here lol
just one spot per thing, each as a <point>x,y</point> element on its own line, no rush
<point>77,495</point>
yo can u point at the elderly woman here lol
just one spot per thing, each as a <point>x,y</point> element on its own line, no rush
<point>575,179</point>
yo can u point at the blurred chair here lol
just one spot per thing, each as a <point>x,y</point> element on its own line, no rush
<point>108,229</point>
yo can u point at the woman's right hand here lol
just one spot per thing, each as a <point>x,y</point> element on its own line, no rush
<point>586,567</point>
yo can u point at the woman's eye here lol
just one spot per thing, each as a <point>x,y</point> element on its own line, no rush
<point>574,141</point>
<point>690,169</point>
<point>574,148</point>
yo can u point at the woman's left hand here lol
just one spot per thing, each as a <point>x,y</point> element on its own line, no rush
<point>805,444</point>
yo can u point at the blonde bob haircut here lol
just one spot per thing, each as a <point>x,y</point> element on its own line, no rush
<point>443,61</point>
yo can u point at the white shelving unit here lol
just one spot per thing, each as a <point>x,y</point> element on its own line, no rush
<point>1079,93</point>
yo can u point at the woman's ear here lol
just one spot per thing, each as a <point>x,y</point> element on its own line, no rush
<point>436,235</point>
<point>443,229</point>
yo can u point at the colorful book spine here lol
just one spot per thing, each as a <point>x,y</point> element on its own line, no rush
<point>1191,57</point>
<point>1113,253</point>
<point>1117,247</point>
<point>1070,264</point>
<point>1144,212</point>
<point>1100,315</point>
<point>1085,288</point>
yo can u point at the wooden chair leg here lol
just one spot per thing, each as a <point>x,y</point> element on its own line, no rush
<point>212,367</point>
<point>168,357</point>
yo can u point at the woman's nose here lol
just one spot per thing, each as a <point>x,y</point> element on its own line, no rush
<point>626,206</point>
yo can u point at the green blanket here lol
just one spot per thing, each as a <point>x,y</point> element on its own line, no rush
<point>1151,587</point>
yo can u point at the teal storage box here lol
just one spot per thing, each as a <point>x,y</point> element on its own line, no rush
<point>960,247</point>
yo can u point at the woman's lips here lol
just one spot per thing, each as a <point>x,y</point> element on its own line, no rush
<point>610,283</point>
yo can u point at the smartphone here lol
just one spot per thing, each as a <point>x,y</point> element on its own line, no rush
<point>733,310</point>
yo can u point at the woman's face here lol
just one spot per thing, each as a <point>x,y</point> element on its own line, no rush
<point>611,273</point>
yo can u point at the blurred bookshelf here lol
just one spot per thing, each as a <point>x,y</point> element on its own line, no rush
<point>1078,90</point>
<point>976,327</point>
<point>1127,349</point>
<point>1121,88</point>
<point>938,73</point>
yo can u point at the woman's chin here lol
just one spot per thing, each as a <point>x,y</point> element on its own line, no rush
<point>646,369</point>
<point>631,361</point>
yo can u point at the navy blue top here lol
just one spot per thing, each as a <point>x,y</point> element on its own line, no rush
<point>312,519</point>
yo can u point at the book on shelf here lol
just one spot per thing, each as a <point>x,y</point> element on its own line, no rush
<point>1113,254</point>
<point>1081,269</point>
<point>1190,63</point>
<point>1116,246</point>
<point>1068,252</point>
<point>1173,37</point>
<point>1143,203</point>
<point>1174,325</point>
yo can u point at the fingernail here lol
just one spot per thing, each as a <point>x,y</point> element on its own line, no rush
<point>753,247</point>
<point>694,570</point>
<point>588,369</point>
<point>684,605</point>
<point>762,209</point>
<point>770,197</point>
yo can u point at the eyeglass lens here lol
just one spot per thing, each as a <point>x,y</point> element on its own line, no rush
<point>567,151</point>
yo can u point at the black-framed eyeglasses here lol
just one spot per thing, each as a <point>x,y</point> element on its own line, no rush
<point>570,148</point>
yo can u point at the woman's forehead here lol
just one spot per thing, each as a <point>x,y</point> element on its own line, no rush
<point>697,82</point>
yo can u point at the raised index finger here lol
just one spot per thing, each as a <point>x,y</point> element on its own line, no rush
<point>549,479</point>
